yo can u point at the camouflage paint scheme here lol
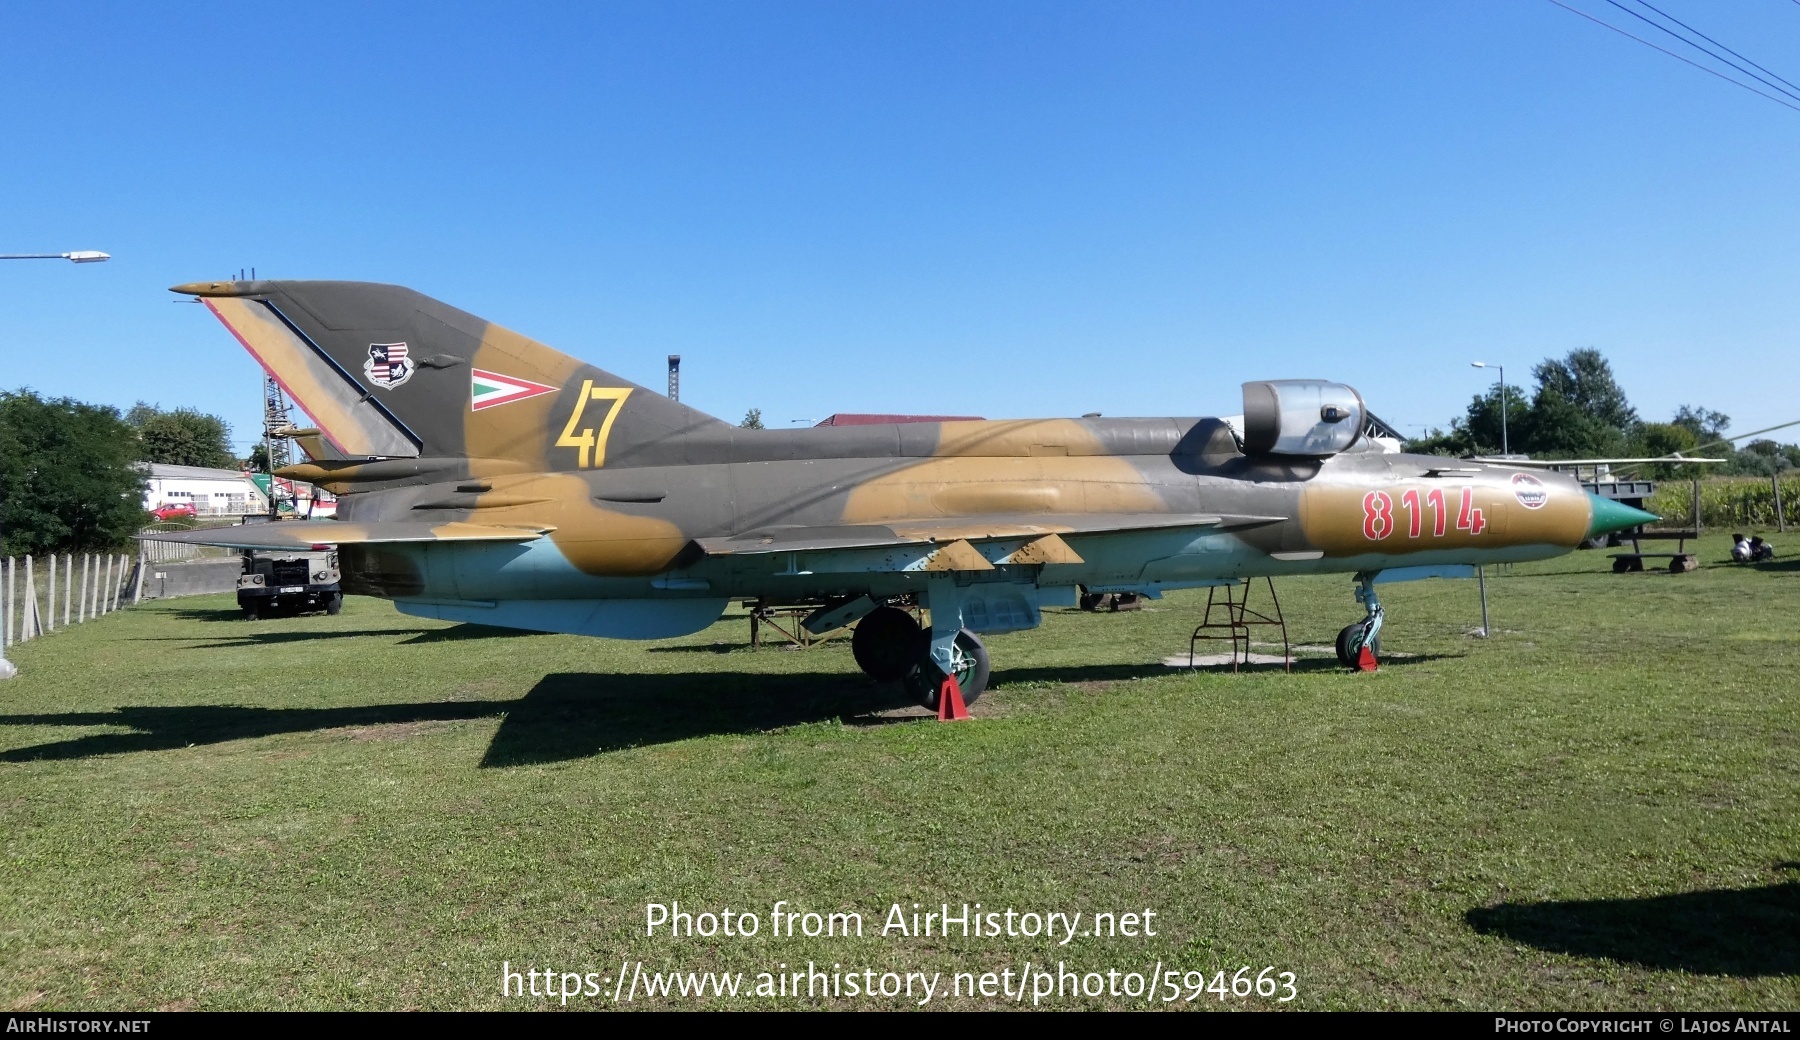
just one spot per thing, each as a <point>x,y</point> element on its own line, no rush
<point>569,499</point>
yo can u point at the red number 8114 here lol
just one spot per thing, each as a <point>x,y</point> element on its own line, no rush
<point>1378,514</point>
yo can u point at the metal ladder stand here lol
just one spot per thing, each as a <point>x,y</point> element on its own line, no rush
<point>1238,618</point>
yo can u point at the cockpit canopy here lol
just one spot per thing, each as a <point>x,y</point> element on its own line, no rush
<point>1309,417</point>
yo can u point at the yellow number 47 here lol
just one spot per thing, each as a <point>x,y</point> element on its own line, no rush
<point>587,441</point>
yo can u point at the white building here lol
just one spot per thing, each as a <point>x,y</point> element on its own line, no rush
<point>212,492</point>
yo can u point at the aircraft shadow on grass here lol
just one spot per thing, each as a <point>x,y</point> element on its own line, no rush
<point>573,715</point>
<point>165,728</point>
<point>455,633</point>
<point>566,716</point>
<point>1743,932</point>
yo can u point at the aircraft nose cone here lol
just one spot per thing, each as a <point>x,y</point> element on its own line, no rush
<point>1609,516</point>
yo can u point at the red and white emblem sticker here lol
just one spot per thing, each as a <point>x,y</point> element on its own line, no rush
<point>388,365</point>
<point>1530,491</point>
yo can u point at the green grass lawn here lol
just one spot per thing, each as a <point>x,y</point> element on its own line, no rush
<point>1593,809</point>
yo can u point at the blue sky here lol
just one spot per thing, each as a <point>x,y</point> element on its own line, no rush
<point>981,208</point>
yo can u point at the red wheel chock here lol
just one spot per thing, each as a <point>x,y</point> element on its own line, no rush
<point>1365,660</point>
<point>950,703</point>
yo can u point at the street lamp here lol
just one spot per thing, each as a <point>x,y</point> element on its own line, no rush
<point>1502,370</point>
<point>79,256</point>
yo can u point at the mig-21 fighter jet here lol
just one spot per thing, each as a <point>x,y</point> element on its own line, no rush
<point>486,478</point>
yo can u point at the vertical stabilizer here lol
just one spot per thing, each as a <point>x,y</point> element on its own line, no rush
<point>390,373</point>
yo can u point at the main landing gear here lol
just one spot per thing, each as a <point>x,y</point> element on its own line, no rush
<point>1359,644</point>
<point>890,646</point>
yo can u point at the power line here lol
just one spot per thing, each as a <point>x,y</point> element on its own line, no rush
<point>1677,57</point>
<point>1714,42</point>
<point>1716,56</point>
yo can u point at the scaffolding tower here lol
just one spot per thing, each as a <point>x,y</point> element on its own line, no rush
<point>277,447</point>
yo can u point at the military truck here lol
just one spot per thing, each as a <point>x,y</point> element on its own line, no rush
<point>277,583</point>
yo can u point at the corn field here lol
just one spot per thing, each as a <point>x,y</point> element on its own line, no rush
<point>1734,502</point>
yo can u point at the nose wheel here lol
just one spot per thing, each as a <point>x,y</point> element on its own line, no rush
<point>1365,634</point>
<point>1352,639</point>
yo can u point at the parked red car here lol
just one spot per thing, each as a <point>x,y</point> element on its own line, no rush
<point>173,511</point>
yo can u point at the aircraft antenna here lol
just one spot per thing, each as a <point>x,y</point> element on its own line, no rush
<point>674,377</point>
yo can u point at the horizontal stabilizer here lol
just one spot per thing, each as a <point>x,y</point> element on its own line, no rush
<point>316,534</point>
<point>950,529</point>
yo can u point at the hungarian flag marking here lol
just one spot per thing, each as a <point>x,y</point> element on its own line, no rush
<point>491,389</point>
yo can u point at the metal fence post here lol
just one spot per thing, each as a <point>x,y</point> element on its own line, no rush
<point>137,585</point>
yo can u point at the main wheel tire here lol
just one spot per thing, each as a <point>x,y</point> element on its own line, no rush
<point>886,644</point>
<point>250,612</point>
<point>335,603</point>
<point>971,667</point>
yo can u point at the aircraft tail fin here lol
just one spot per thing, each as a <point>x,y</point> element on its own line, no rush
<point>387,372</point>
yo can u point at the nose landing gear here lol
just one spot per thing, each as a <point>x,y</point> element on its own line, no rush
<point>1359,644</point>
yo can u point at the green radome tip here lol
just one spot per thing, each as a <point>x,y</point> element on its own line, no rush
<point>1610,515</point>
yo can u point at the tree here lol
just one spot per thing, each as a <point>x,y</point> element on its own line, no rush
<point>1706,425</point>
<point>183,437</point>
<point>1560,427</point>
<point>1657,439</point>
<point>752,420</point>
<point>1585,381</point>
<point>1478,431</point>
<point>258,462</point>
<point>1483,420</point>
<point>68,479</point>
<point>1578,410</point>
